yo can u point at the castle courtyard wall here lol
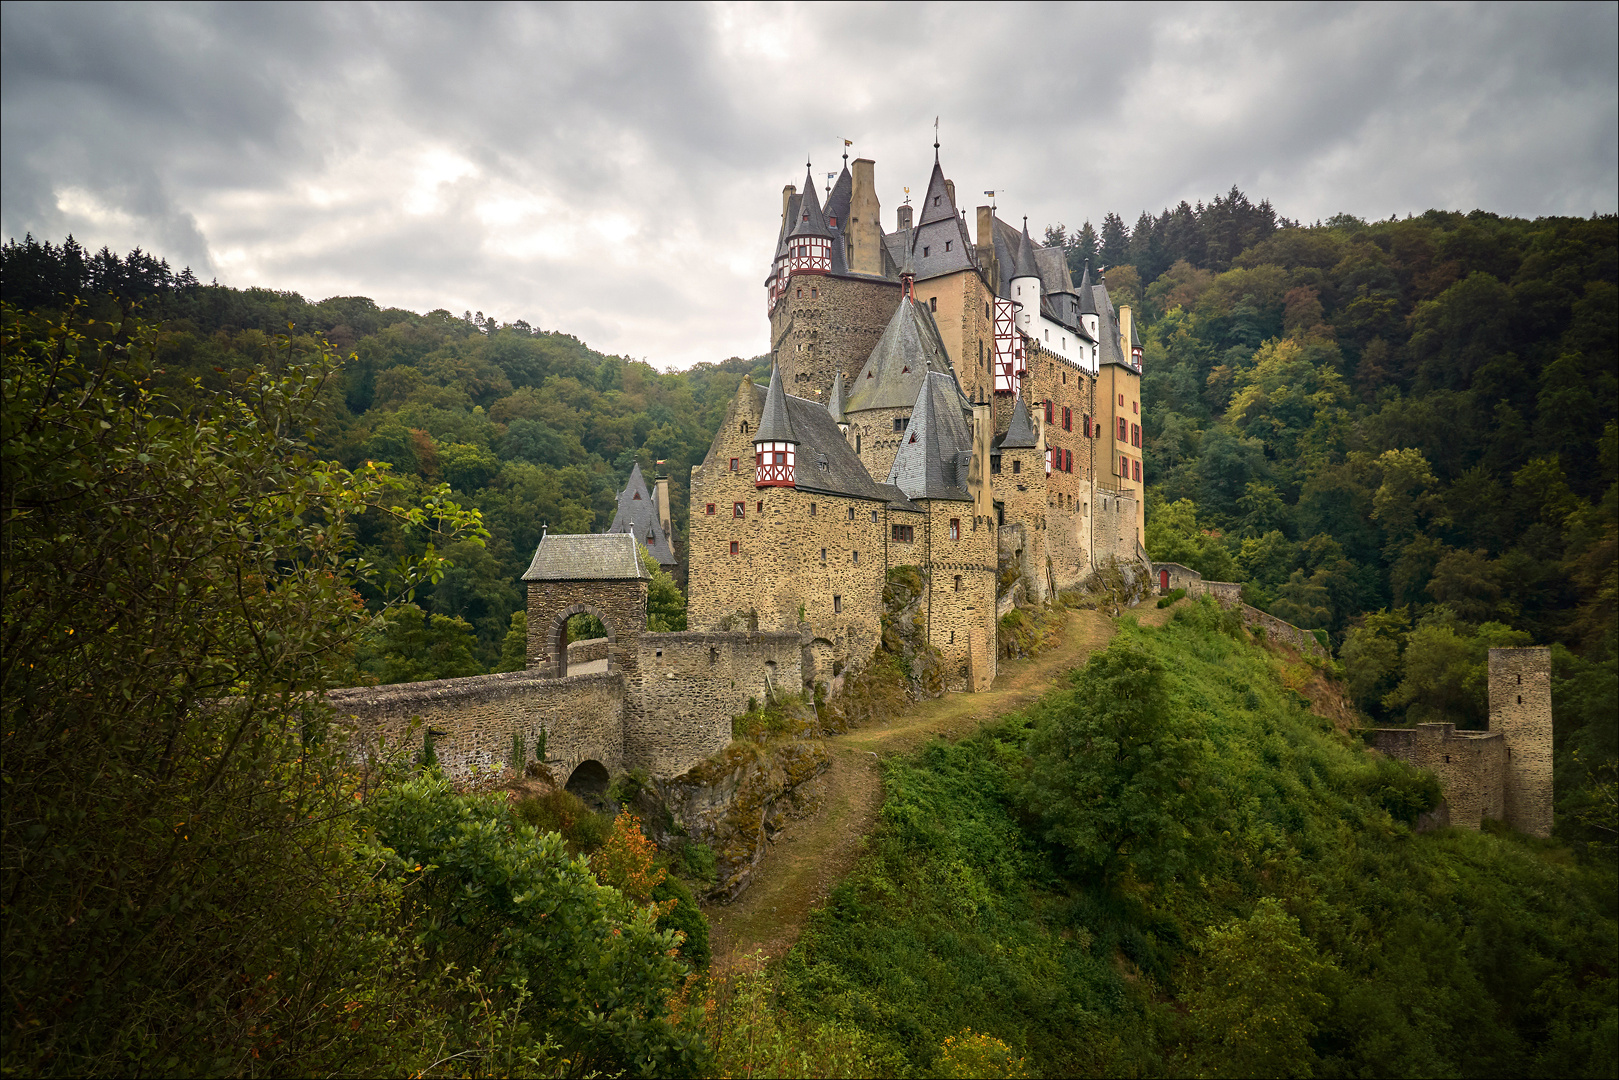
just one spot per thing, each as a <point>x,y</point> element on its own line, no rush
<point>1470,765</point>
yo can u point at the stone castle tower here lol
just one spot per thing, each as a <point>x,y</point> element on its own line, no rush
<point>1521,711</point>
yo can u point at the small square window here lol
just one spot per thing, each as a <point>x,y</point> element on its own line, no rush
<point>710,509</point>
<point>733,464</point>
<point>995,466</point>
<point>924,251</point>
<point>812,509</point>
<point>899,423</point>
<point>739,510</point>
<point>1017,467</point>
<point>947,244</point>
<point>733,547</point>
<point>761,506</point>
<point>874,517</point>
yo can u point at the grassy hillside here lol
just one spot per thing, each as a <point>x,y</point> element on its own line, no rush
<point>1280,919</point>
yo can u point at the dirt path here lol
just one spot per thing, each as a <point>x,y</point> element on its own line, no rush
<point>811,856</point>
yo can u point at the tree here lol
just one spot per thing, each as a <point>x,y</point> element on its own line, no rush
<point>187,889</point>
<point>1113,777</point>
<point>665,603</point>
<point>1258,996</point>
<point>1115,241</point>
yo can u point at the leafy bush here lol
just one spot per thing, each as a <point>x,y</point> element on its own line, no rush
<point>561,811</point>
<point>1170,597</point>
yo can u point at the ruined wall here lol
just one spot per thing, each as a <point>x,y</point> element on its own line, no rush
<point>1521,711</point>
<point>1470,765</point>
<point>692,684</point>
<point>581,716</point>
<point>824,324</point>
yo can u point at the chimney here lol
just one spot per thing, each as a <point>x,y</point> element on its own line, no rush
<point>904,217</point>
<point>986,246</point>
<point>864,234</point>
<point>786,197</point>
<point>950,190</point>
<point>660,500</point>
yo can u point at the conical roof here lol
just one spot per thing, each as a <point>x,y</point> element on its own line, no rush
<point>927,465</point>
<point>834,404</point>
<point>1025,255</point>
<point>938,206</point>
<point>637,516</point>
<point>1087,298</point>
<point>774,425</point>
<point>811,221</point>
<point>1020,433</point>
<point>837,203</point>
<point>910,346</point>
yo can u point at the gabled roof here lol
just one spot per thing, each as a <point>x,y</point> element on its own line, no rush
<point>1020,433</point>
<point>937,205</point>
<point>637,516</point>
<point>586,557</point>
<point>837,203</point>
<point>834,401</point>
<point>774,423</point>
<point>910,346</point>
<point>929,462</point>
<point>810,220</point>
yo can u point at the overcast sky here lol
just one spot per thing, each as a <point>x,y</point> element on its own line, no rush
<point>615,171</point>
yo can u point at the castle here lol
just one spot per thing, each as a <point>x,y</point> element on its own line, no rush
<point>940,398</point>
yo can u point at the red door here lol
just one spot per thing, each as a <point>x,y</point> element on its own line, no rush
<point>1163,581</point>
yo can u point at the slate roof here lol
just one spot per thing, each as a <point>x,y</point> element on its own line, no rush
<point>586,557</point>
<point>824,460</point>
<point>1024,266</point>
<point>1020,432</point>
<point>1087,299</point>
<point>837,203</point>
<point>810,221</point>
<point>637,516</point>
<point>1109,350</point>
<point>910,345</point>
<point>937,205</point>
<point>834,402</point>
<point>938,440</point>
<point>775,425</point>
<point>1052,262</point>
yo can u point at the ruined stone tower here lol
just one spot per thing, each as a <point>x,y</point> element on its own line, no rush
<point>1521,710</point>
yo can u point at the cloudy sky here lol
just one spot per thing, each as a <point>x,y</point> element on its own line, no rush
<point>615,171</point>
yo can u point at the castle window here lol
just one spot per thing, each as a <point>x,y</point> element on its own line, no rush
<point>1135,406</point>
<point>953,633</point>
<point>761,506</point>
<point>1520,680</point>
<point>995,465</point>
<point>1135,434</point>
<point>837,605</point>
<point>947,244</point>
<point>733,547</point>
<point>812,509</point>
<point>924,251</point>
<point>899,423</point>
<point>636,497</point>
<point>1520,699</point>
<point>1124,467</point>
<point>739,510</point>
<point>713,656</point>
<point>1121,401</point>
<point>857,558</point>
<point>832,221</point>
<point>1068,457</point>
<point>1447,759</point>
<point>1048,338</point>
<point>1017,466</point>
<point>823,554</point>
<point>933,303</point>
<point>1124,424</point>
<point>857,442</point>
<point>815,294</point>
<point>744,427</point>
<point>851,513</point>
<point>904,534</point>
<point>1049,411</point>
<point>710,509</point>
<point>874,517</point>
<point>800,293</point>
<point>935,200</point>
<point>913,436</point>
<point>958,589</point>
<point>1067,418</point>
<point>733,464</point>
<point>1137,468</point>
<point>1087,425</point>
<point>955,528</point>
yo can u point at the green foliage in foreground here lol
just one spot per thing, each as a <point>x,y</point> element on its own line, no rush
<point>1304,907</point>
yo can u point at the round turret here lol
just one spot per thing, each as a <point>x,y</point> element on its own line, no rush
<point>1025,283</point>
<point>775,449</point>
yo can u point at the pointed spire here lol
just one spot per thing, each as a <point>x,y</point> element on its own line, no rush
<point>834,403</point>
<point>1020,433</point>
<point>937,205</point>
<point>774,425</point>
<point>811,220</point>
<point>1025,255</point>
<point>1087,295</point>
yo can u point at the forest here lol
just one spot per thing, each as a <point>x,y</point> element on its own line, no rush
<point>1400,433</point>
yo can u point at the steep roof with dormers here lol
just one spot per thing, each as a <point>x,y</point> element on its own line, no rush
<point>637,516</point>
<point>910,346</point>
<point>937,442</point>
<point>824,461</point>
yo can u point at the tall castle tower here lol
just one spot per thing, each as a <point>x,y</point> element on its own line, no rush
<point>1521,710</point>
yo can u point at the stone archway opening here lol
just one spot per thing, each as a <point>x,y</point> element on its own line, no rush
<point>589,781</point>
<point>581,623</point>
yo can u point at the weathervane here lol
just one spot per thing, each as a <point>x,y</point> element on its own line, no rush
<point>991,195</point>
<point>846,144</point>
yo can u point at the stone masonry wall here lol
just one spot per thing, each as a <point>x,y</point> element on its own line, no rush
<point>1470,766</point>
<point>1521,711</point>
<point>582,652</point>
<point>620,605</point>
<point>834,325</point>
<point>953,616</point>
<point>692,684</point>
<point>581,716</point>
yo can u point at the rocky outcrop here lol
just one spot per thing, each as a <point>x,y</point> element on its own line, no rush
<point>738,799</point>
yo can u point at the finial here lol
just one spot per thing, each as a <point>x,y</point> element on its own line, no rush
<point>846,144</point>
<point>935,140</point>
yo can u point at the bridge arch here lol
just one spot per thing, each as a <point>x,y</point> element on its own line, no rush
<point>557,636</point>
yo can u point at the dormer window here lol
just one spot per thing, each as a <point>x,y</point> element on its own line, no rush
<point>948,244</point>
<point>773,465</point>
<point>925,251</point>
<point>936,200</point>
<point>832,222</point>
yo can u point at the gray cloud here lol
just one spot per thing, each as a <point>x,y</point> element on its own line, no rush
<point>616,171</point>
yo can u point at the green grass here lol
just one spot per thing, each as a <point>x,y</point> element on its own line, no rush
<point>1449,953</point>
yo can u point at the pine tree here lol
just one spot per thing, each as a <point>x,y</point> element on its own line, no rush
<point>1115,241</point>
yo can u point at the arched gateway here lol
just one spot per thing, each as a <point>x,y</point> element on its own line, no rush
<point>600,574</point>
